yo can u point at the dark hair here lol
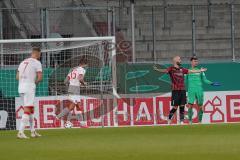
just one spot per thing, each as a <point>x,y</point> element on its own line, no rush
<point>118,29</point>
<point>193,58</point>
<point>36,49</point>
<point>83,61</point>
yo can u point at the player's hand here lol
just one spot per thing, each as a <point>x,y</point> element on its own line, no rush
<point>216,84</point>
<point>155,68</point>
<point>66,83</point>
<point>203,69</point>
<point>84,84</point>
<point>37,82</point>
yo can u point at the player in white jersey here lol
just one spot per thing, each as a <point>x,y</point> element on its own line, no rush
<point>29,74</point>
<point>74,79</point>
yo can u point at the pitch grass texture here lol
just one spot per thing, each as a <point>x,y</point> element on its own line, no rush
<point>196,142</point>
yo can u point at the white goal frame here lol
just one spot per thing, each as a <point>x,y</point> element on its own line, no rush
<point>45,40</point>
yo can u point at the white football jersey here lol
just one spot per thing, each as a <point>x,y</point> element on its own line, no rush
<point>73,76</point>
<point>27,73</point>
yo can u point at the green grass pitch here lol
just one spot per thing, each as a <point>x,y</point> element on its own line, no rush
<point>195,142</point>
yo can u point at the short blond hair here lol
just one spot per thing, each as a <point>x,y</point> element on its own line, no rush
<point>37,49</point>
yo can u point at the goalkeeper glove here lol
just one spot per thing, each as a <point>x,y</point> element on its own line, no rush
<point>216,84</point>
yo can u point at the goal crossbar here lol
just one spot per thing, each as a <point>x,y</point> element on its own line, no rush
<point>112,38</point>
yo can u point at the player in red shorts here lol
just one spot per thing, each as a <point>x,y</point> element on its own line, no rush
<point>176,73</point>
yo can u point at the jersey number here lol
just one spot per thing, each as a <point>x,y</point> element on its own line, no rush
<point>73,75</point>
<point>26,64</point>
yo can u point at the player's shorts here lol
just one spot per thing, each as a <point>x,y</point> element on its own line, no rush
<point>195,94</point>
<point>27,94</point>
<point>178,98</point>
<point>28,98</point>
<point>74,98</point>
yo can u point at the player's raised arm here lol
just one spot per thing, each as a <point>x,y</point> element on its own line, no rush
<point>160,70</point>
<point>197,71</point>
<point>205,80</point>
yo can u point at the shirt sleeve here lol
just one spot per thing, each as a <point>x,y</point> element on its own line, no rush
<point>205,80</point>
<point>185,71</point>
<point>38,67</point>
<point>169,69</point>
<point>81,71</point>
<point>18,68</point>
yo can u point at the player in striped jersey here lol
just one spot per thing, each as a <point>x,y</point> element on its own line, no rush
<point>176,73</point>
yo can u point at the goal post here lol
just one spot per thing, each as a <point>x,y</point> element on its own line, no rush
<point>59,56</point>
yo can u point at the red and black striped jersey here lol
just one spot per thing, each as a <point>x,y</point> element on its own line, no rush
<point>177,77</point>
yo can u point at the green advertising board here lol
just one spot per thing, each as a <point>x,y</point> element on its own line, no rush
<point>131,78</point>
<point>142,78</point>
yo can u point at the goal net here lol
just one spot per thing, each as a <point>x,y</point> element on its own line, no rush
<point>59,56</point>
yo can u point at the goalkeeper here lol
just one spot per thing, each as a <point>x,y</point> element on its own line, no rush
<point>195,89</point>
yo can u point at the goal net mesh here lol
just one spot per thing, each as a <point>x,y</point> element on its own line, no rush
<point>58,58</point>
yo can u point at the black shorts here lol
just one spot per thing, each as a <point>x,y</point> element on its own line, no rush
<point>179,98</point>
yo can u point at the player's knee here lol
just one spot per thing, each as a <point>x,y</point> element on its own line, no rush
<point>190,105</point>
<point>27,110</point>
<point>58,105</point>
<point>79,107</point>
<point>71,106</point>
<point>32,111</point>
<point>182,108</point>
<point>175,107</point>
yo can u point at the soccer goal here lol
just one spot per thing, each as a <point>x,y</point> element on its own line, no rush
<point>59,56</point>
